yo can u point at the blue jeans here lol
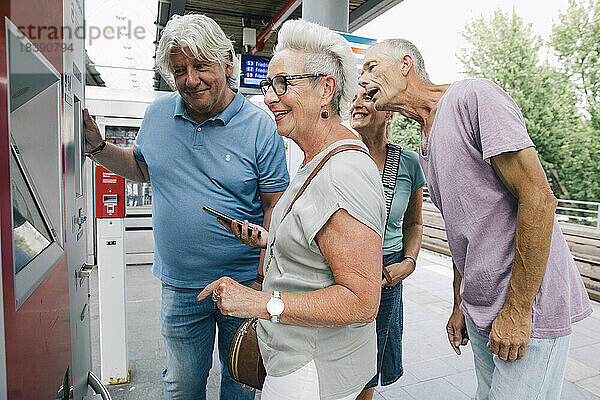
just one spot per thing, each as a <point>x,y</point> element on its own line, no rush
<point>389,331</point>
<point>188,327</point>
<point>536,376</point>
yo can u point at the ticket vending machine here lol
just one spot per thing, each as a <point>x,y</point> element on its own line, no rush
<point>45,344</point>
<point>109,201</point>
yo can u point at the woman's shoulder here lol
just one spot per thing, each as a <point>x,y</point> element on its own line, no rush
<point>352,163</point>
<point>409,155</point>
<point>410,168</point>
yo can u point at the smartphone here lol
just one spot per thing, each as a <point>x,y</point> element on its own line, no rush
<point>227,219</point>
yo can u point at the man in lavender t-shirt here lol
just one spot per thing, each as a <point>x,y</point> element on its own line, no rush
<point>517,289</point>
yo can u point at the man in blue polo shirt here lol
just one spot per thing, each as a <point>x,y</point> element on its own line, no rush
<point>202,145</point>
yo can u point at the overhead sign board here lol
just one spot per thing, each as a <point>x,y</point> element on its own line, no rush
<point>359,47</point>
<point>253,70</point>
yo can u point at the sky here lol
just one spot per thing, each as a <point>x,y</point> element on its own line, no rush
<point>433,25</point>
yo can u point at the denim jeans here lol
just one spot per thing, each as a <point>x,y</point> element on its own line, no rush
<point>188,327</point>
<point>536,376</point>
<point>389,331</point>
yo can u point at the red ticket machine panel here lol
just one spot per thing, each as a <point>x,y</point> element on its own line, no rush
<point>109,193</point>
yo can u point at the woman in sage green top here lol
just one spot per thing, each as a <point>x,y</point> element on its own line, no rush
<point>402,240</point>
<point>323,258</point>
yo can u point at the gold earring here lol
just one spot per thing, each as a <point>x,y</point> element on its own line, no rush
<point>324,113</point>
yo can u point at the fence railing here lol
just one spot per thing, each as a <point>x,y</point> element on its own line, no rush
<point>568,211</point>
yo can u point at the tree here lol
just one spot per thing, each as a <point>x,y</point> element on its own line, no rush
<point>576,41</point>
<point>505,50</point>
<point>406,132</point>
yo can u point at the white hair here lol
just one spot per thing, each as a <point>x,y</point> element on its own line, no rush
<point>398,48</point>
<point>204,39</point>
<point>326,52</point>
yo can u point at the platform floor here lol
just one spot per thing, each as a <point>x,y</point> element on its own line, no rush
<point>432,370</point>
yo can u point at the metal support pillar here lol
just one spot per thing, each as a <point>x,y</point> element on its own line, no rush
<point>333,14</point>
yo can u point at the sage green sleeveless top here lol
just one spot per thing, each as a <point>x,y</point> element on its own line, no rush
<point>345,357</point>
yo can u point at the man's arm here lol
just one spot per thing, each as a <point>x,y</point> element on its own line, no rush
<point>118,160</point>
<point>456,327</point>
<point>268,201</point>
<point>522,174</point>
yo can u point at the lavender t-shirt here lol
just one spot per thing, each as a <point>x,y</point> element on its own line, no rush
<point>477,120</point>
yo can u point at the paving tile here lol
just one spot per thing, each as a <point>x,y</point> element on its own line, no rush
<point>136,306</point>
<point>431,369</point>
<point>576,370</point>
<point>581,338</point>
<point>441,308</point>
<point>592,385</point>
<point>465,381</point>
<point>435,389</point>
<point>461,363</point>
<point>406,379</point>
<point>588,355</point>
<point>146,370</point>
<point>393,392</point>
<point>592,323</point>
<point>377,396</point>
<point>147,390</point>
<point>425,351</point>
<point>140,349</point>
<point>570,391</point>
<point>423,298</point>
<point>396,394</point>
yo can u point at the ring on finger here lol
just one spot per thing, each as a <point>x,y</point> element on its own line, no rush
<point>215,296</point>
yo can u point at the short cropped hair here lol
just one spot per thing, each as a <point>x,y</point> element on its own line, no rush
<point>204,38</point>
<point>398,48</point>
<point>326,52</point>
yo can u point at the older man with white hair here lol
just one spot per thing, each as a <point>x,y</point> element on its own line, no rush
<point>516,287</point>
<point>201,145</point>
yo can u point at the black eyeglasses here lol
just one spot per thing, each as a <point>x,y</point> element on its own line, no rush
<point>279,83</point>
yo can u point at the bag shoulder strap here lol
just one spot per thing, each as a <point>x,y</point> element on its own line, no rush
<point>339,149</point>
<point>390,175</point>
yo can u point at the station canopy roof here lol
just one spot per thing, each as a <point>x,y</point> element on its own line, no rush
<point>262,15</point>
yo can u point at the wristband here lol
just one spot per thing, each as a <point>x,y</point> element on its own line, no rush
<point>412,260</point>
<point>97,149</point>
<point>259,279</point>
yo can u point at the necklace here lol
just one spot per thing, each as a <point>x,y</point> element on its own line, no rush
<point>424,142</point>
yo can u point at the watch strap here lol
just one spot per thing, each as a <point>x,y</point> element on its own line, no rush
<point>275,295</point>
<point>98,149</point>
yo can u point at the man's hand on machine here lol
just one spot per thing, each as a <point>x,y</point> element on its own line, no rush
<point>93,138</point>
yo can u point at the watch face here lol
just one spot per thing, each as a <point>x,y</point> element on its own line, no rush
<point>275,306</point>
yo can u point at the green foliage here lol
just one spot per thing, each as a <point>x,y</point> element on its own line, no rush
<point>505,50</point>
<point>406,132</point>
<point>576,41</point>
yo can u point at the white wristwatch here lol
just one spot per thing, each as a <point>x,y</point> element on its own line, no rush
<point>275,306</point>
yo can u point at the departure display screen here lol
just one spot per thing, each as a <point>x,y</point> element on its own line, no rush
<point>254,69</point>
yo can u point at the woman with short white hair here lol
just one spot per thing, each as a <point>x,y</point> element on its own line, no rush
<point>323,267</point>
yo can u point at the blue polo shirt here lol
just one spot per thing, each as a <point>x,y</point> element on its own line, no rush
<point>223,163</point>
